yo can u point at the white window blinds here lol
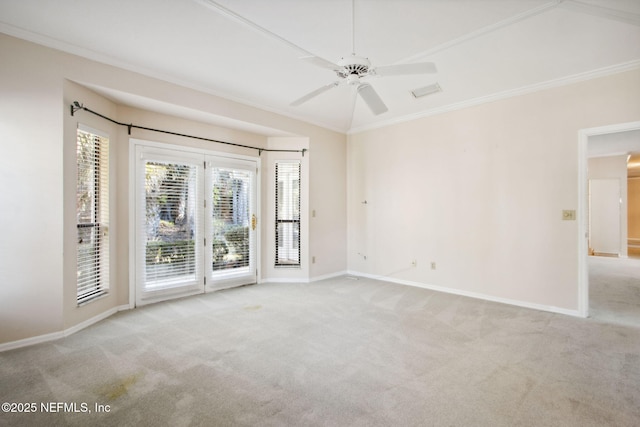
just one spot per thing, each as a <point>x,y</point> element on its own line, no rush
<point>287,214</point>
<point>92,215</point>
<point>171,222</point>
<point>230,218</point>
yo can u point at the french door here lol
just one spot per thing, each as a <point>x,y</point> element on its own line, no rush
<point>196,223</point>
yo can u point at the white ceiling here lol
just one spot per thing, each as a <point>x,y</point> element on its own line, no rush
<point>618,144</point>
<point>614,144</point>
<point>483,49</point>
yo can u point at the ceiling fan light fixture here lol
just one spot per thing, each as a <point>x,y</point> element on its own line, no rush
<point>426,90</point>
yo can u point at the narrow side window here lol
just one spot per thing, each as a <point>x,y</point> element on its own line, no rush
<point>92,215</point>
<point>287,214</point>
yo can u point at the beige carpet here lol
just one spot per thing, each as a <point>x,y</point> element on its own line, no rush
<point>343,352</point>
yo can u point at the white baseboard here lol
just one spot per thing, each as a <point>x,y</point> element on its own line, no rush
<point>95,319</point>
<point>328,276</point>
<point>283,280</point>
<point>11,345</point>
<point>302,280</point>
<point>61,334</point>
<point>518,303</point>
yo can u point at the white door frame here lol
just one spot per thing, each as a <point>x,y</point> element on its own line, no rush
<point>133,144</point>
<point>583,207</point>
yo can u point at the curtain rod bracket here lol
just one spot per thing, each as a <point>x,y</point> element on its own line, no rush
<point>75,107</point>
<point>260,152</point>
<point>129,128</point>
<point>304,150</point>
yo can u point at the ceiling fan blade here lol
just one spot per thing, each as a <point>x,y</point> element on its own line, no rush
<point>403,69</point>
<point>321,62</point>
<point>371,98</point>
<point>314,94</point>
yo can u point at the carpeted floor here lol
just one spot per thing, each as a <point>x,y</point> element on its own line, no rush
<point>342,352</point>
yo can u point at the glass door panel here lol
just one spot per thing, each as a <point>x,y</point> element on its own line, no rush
<point>232,223</point>
<point>169,226</point>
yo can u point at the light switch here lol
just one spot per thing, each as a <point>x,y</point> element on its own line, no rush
<point>569,215</point>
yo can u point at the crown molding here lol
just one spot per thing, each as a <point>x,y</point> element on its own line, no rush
<point>91,55</point>
<point>602,12</point>
<point>576,78</point>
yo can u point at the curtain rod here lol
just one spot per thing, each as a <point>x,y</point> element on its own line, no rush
<point>75,106</point>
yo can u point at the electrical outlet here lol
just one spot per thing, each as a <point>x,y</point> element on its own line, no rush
<point>433,265</point>
<point>414,263</point>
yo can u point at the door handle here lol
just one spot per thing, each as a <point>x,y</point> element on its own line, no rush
<point>254,222</point>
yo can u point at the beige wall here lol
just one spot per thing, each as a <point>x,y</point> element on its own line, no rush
<point>480,192</point>
<point>37,134</point>
<point>31,177</point>
<point>613,167</point>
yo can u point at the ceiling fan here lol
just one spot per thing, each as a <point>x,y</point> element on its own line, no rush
<point>352,70</point>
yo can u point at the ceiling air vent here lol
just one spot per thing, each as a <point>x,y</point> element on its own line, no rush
<point>427,90</point>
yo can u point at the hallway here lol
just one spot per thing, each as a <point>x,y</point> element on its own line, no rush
<point>614,290</point>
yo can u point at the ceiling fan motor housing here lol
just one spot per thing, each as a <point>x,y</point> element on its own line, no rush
<point>356,66</point>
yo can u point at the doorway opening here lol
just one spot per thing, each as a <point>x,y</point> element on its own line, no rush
<point>607,229</point>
